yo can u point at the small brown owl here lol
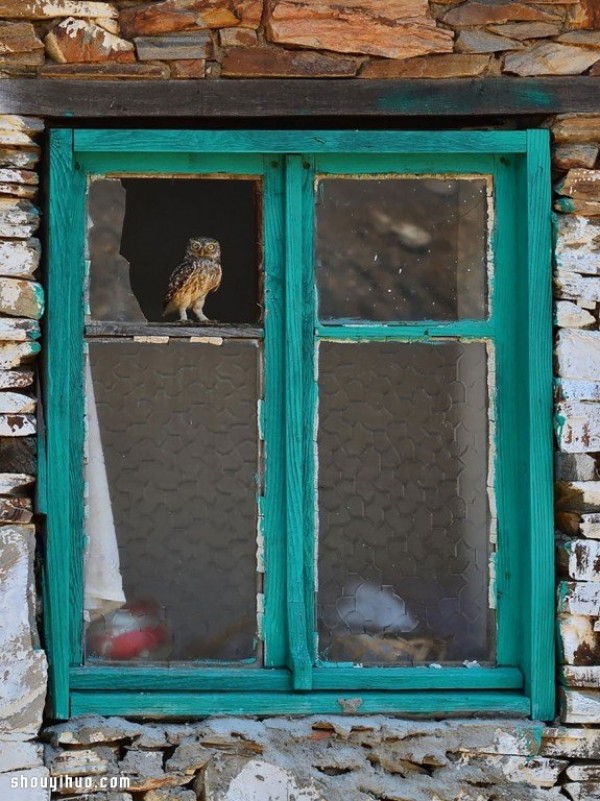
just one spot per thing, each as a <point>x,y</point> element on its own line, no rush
<point>198,274</point>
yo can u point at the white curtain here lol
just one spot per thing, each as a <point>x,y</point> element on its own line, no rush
<point>103,591</point>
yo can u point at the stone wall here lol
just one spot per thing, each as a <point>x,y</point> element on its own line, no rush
<point>191,39</point>
<point>313,758</point>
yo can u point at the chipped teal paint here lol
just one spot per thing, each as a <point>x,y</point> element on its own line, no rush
<point>564,204</point>
<point>290,401</point>
<point>38,291</point>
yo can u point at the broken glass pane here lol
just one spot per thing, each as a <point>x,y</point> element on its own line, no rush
<point>139,229</point>
<point>399,249</point>
<point>179,439</point>
<point>404,530</point>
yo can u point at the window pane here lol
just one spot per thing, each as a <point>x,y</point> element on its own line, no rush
<point>178,435</point>
<point>395,249</point>
<point>403,507</point>
<point>139,230</point>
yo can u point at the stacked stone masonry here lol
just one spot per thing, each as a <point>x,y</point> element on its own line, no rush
<point>325,758</point>
<point>191,39</point>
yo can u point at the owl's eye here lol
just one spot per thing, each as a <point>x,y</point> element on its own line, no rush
<point>210,246</point>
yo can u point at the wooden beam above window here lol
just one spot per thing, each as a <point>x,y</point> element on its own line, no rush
<point>299,98</point>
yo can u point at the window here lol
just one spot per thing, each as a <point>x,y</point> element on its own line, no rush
<point>338,496</point>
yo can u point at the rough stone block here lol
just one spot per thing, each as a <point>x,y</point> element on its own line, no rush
<point>229,778</point>
<point>396,29</point>
<point>549,58</point>
<point>580,706</point>
<point>27,785</point>
<point>573,390</point>
<point>238,37</point>
<point>576,286</point>
<point>16,403</point>
<point>92,730</point>
<point>578,641</point>
<point>188,758</point>
<point>576,128</point>
<point>22,696</point>
<point>590,526</point>
<point>192,45</point>
<point>20,756</point>
<point>571,743</point>
<point>19,37</point>
<point>18,455</point>
<point>580,676</point>
<point>262,62</point>
<point>565,157</point>
<point>77,40</point>
<point>50,9</point>
<point>578,354</point>
<point>15,483</point>
<point>82,762</point>
<point>568,314</point>
<point>476,40</point>
<point>577,496</point>
<point>106,71</point>
<point>577,427</point>
<point>18,329</point>
<point>527,30</point>
<point>15,378</point>
<point>455,65</point>
<point>16,568</point>
<point>15,510</point>
<point>26,157</point>
<point>180,15</point>
<point>569,205</point>
<point>474,13</point>
<point>582,791</point>
<point>580,559</point>
<point>21,298</point>
<point>575,467</point>
<point>578,244</point>
<point>589,39</point>
<point>579,598</point>
<point>580,184</point>
<point>188,68</point>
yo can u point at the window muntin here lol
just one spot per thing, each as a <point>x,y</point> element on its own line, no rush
<point>520,169</point>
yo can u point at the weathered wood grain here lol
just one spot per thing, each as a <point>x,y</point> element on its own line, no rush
<point>260,98</point>
<point>171,330</point>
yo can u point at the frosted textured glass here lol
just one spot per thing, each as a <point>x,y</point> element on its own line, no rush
<point>179,431</point>
<point>403,543</point>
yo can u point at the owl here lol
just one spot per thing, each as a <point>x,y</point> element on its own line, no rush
<point>198,274</point>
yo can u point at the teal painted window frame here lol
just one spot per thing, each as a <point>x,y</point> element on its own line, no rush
<point>293,681</point>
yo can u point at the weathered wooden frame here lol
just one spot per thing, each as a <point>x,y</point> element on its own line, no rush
<point>523,682</point>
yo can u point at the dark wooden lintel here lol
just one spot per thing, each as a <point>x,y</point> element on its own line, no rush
<point>302,98</point>
<point>105,330</point>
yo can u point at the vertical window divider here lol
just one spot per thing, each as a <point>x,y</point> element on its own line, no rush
<point>299,659</point>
